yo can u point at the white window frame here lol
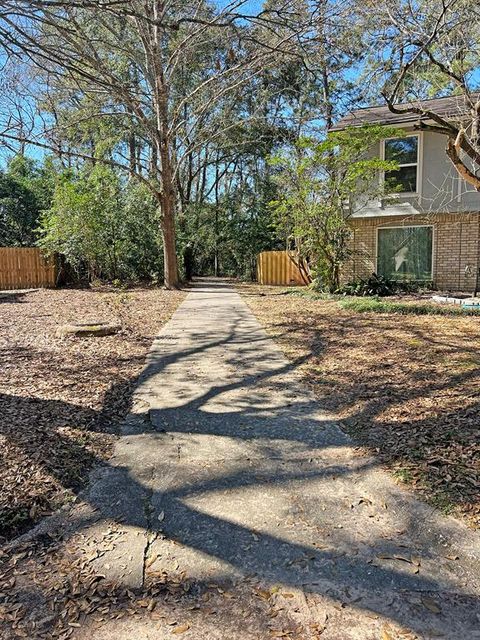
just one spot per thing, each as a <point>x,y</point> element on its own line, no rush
<point>418,163</point>
<point>407,226</point>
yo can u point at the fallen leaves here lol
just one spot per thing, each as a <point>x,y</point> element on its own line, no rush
<point>391,633</point>
<point>74,592</point>
<point>77,598</point>
<point>417,409</point>
<point>61,397</point>
<point>430,604</point>
<point>413,560</point>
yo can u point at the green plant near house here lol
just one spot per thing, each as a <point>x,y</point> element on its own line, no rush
<point>322,184</point>
<point>377,285</point>
<point>372,286</point>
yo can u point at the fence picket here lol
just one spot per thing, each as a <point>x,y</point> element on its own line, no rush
<point>26,268</point>
<point>278,267</point>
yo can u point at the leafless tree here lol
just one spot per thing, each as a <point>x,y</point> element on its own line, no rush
<point>138,64</point>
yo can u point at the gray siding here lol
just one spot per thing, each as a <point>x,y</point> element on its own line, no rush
<point>441,190</point>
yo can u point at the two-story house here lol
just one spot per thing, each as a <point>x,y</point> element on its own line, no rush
<point>430,229</point>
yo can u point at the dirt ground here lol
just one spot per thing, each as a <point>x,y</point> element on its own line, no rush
<point>60,397</point>
<point>406,387</point>
<point>56,585</point>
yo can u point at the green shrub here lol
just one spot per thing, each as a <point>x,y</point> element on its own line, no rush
<point>106,228</point>
<point>25,189</point>
<point>360,305</point>
<point>379,286</point>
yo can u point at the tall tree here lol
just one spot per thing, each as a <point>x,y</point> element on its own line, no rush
<point>25,190</point>
<point>294,96</point>
<point>127,62</point>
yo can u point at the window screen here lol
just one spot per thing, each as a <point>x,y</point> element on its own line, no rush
<point>405,253</point>
<point>404,151</point>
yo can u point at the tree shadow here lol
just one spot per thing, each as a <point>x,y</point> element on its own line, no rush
<point>44,460</point>
<point>51,445</point>
<point>285,449</point>
<point>423,423</point>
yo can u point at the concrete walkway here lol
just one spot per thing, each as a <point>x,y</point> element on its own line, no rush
<point>230,477</point>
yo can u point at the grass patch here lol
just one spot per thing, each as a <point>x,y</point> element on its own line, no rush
<point>372,305</point>
<point>403,475</point>
<point>443,503</point>
<point>306,292</point>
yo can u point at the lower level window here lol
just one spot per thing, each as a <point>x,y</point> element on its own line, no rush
<point>405,253</point>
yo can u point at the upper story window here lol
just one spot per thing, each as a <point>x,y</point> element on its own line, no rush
<point>404,151</point>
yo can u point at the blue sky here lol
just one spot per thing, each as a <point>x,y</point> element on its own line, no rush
<point>251,6</point>
<point>248,7</point>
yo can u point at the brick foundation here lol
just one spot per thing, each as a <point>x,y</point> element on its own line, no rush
<point>456,247</point>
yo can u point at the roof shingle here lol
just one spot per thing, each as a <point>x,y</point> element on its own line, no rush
<point>451,107</point>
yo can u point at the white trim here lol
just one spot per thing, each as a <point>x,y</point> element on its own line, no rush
<point>419,163</point>
<point>407,226</point>
<point>420,168</point>
<point>459,187</point>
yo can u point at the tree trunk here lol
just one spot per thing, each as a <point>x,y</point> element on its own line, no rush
<point>453,151</point>
<point>153,167</point>
<point>132,151</point>
<point>163,143</point>
<point>217,202</point>
<point>167,204</point>
<point>171,278</point>
<point>335,278</point>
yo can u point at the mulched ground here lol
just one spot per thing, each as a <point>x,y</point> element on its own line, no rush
<point>406,387</point>
<point>51,591</point>
<point>61,397</point>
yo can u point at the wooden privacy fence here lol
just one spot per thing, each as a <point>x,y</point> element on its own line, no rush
<point>279,267</point>
<point>26,268</point>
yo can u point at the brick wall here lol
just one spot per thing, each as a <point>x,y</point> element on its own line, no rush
<point>456,246</point>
